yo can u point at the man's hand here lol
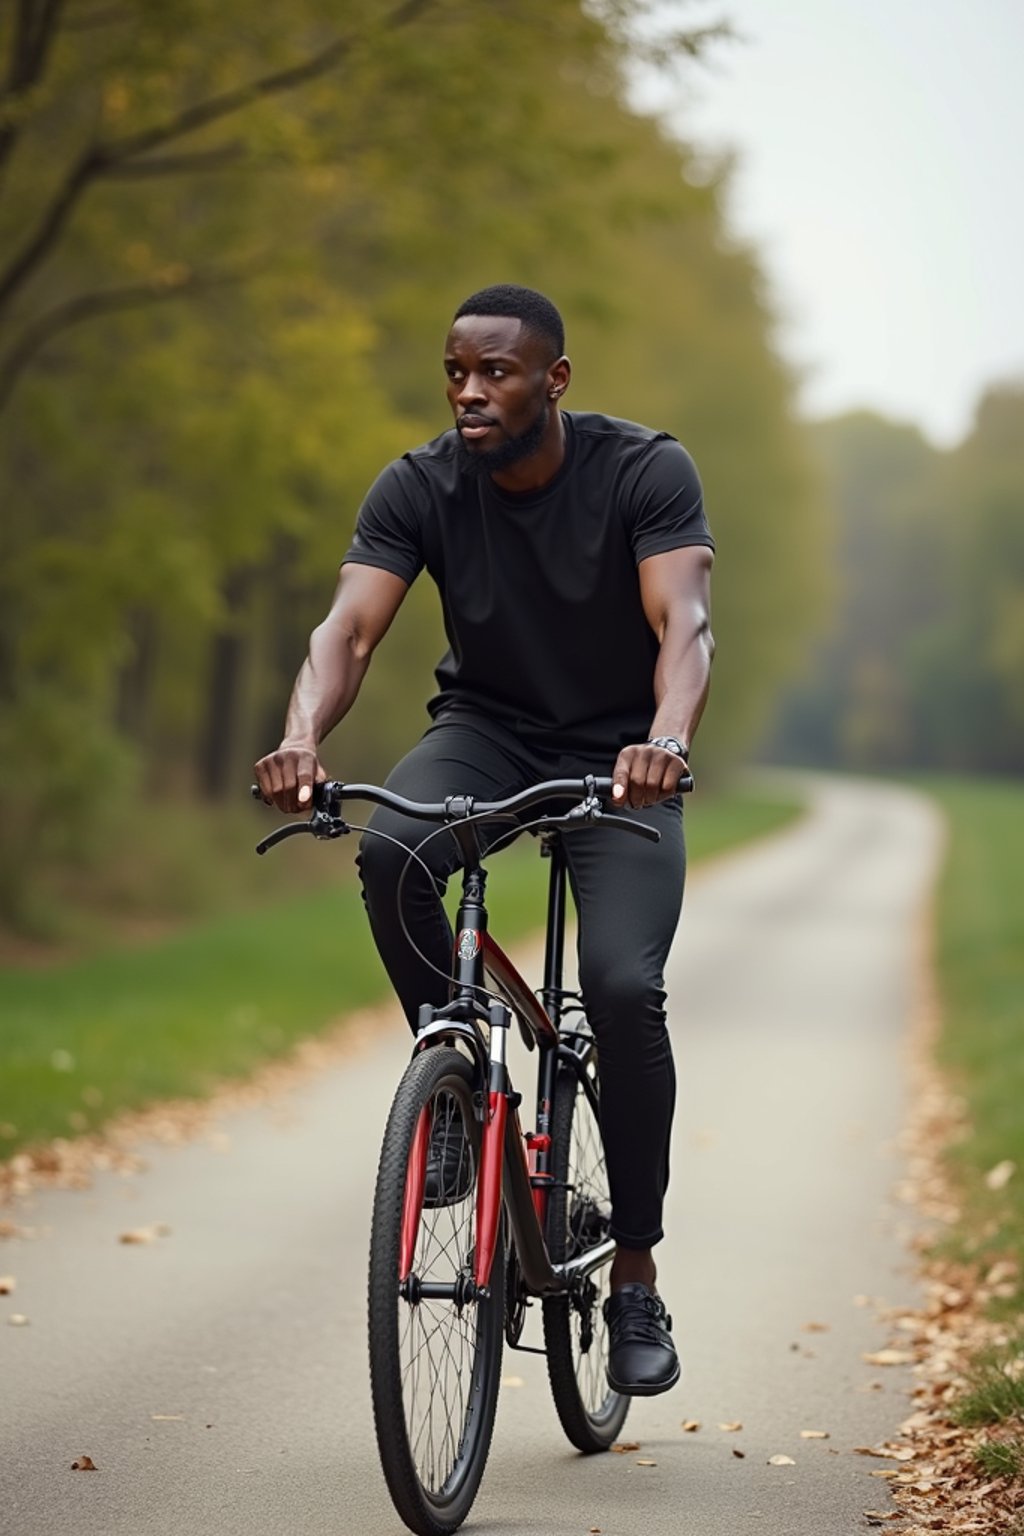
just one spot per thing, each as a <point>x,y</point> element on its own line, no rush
<point>645,775</point>
<point>286,777</point>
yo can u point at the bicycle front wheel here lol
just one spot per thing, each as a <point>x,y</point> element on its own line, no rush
<point>434,1362</point>
<point>579,1213</point>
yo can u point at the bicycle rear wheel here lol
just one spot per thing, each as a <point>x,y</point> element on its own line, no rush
<point>579,1212</point>
<point>434,1364</point>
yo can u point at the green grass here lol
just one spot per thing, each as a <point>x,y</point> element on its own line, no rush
<point>980,955</point>
<point>995,1386</point>
<point>130,1025</point>
<point>980,959</point>
<point>1001,1458</point>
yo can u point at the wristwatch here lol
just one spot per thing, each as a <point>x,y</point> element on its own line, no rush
<point>670,744</point>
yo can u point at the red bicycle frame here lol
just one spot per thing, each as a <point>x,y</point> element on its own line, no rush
<point>514,1168</point>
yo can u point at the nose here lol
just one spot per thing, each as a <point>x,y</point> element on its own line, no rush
<point>471,390</point>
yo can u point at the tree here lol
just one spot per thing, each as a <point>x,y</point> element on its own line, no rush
<point>223,326</point>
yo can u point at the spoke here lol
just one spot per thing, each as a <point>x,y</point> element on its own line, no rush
<point>438,1341</point>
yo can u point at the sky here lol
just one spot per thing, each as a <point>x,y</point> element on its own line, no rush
<point>880,173</point>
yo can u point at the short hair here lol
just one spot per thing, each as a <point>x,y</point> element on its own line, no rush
<point>536,312</point>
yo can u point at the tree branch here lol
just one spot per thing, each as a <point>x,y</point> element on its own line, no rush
<point>103,159</point>
<point>176,165</point>
<point>33,36</point>
<point>89,306</point>
<point>206,112</point>
<point>84,170</point>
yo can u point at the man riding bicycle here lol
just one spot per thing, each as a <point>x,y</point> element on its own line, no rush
<point>573,561</point>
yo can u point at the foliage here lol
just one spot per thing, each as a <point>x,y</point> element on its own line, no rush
<point>923,663</point>
<point>229,242</point>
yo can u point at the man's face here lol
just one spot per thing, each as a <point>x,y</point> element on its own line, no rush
<point>498,378</point>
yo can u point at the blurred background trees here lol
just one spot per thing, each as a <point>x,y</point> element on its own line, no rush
<point>231,239</point>
<point>922,662</point>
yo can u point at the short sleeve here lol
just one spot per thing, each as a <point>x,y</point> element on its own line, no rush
<point>665,502</point>
<point>388,531</point>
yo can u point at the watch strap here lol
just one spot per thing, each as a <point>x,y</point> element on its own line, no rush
<point>670,744</point>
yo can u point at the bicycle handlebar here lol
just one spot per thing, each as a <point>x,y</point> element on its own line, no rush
<point>328,794</point>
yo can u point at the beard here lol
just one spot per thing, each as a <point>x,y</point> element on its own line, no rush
<point>476,463</point>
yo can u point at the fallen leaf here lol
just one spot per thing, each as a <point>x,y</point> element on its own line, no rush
<point>9,1229</point>
<point>738,1454</point>
<point>1001,1271</point>
<point>731,1427</point>
<point>691,1426</point>
<point>883,1472</point>
<point>17,1320</point>
<point>815,1434</point>
<point>160,1418</point>
<point>84,1464</point>
<point>645,1463</point>
<point>145,1234</point>
<point>876,1516</point>
<point>999,1176</point>
<point>781,1461</point>
<point>816,1327</point>
<point>621,1447</point>
<point>8,1285</point>
<point>595,1530</point>
<point>890,1357</point>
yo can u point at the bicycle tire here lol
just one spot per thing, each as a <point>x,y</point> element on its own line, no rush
<point>434,1365</point>
<point>575,1333</point>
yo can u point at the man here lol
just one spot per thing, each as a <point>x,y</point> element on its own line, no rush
<point>573,563</point>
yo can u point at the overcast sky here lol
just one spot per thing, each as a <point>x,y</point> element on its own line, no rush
<point>881,173</point>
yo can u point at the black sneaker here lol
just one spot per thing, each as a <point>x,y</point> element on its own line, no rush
<point>642,1359</point>
<point>449,1159</point>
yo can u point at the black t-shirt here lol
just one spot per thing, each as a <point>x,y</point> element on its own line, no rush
<point>540,591</point>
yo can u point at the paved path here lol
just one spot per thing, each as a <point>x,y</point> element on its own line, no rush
<point>217,1377</point>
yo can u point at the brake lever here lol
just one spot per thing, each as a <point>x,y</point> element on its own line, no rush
<point>296,829</point>
<point>323,823</point>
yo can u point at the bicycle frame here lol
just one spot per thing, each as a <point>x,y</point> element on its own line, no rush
<point>506,1175</point>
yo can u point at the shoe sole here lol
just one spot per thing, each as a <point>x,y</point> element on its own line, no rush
<point>644,1388</point>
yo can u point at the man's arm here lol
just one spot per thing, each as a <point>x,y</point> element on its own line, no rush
<point>675,589</point>
<point>365,602</point>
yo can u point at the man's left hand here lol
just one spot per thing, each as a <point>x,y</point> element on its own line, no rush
<point>645,775</point>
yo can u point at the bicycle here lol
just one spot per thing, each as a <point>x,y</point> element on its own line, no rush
<point>472,1218</point>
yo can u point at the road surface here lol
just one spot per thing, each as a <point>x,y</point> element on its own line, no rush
<point>217,1376</point>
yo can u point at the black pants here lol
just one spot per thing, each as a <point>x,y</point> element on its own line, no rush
<point>628,894</point>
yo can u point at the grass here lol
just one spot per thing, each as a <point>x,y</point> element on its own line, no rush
<point>1002,1458</point>
<point>131,1025</point>
<point>995,1387</point>
<point>980,957</point>
<point>980,931</point>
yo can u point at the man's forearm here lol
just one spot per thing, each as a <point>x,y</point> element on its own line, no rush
<point>327,684</point>
<point>682,679</point>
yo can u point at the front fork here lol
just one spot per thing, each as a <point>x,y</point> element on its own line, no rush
<point>492,1146</point>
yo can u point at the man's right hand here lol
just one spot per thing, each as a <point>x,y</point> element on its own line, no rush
<point>286,777</point>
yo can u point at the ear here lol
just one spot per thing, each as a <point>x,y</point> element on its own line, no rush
<point>559,375</point>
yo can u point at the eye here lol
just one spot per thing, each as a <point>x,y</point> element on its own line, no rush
<point>496,372</point>
<point>453,373</point>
